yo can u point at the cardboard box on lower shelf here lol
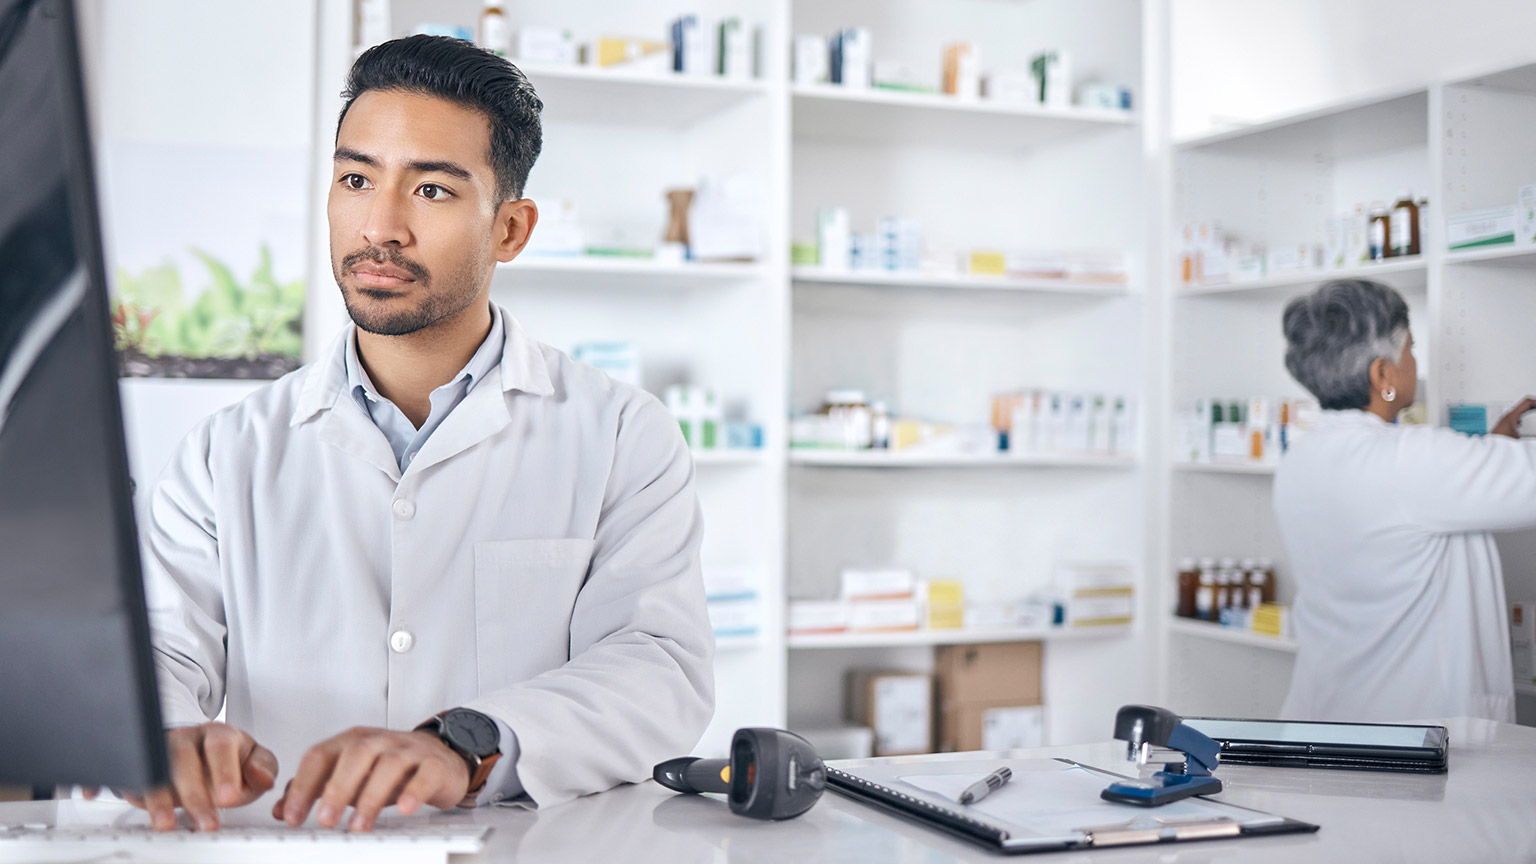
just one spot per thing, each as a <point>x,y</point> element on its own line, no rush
<point>989,696</point>
<point>897,705</point>
<point>968,726</point>
<point>989,673</point>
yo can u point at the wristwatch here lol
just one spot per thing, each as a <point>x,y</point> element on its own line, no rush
<point>473,736</point>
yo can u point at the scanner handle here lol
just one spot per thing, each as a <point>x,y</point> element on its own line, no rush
<point>692,774</point>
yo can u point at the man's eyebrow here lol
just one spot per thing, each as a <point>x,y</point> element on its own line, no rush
<point>347,154</point>
<point>452,169</point>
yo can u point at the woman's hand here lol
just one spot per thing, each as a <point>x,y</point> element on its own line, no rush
<point>1509,424</point>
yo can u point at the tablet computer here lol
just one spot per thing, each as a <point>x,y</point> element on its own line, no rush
<point>1307,744</point>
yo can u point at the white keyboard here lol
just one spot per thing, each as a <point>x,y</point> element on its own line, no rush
<point>237,844</point>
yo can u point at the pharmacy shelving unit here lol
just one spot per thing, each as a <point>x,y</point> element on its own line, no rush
<point>1465,142</point>
<point>938,346</point>
<point>1274,183</point>
<point>1484,297</point>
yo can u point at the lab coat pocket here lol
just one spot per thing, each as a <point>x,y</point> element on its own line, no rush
<point>525,591</point>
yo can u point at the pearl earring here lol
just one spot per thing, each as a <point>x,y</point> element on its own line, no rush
<point>1389,394</point>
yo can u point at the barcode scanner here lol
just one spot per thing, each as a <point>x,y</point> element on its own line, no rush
<point>772,774</point>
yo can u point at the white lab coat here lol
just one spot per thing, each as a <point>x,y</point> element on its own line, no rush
<point>538,561</point>
<point>1400,610</point>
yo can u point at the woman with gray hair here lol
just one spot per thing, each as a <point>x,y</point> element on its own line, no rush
<point>1400,610</point>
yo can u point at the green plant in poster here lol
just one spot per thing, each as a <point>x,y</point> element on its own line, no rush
<point>254,327</point>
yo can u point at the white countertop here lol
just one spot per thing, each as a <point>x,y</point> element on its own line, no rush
<point>1483,810</point>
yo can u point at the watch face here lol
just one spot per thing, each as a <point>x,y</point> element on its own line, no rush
<point>472,732</point>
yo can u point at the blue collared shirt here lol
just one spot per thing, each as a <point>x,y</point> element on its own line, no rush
<point>404,438</point>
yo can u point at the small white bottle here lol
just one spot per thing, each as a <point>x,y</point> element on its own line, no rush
<point>1205,595</point>
<point>495,32</point>
<point>880,426</point>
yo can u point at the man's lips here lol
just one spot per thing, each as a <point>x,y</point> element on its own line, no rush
<point>381,275</point>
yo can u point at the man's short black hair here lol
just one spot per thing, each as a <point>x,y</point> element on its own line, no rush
<point>460,72</point>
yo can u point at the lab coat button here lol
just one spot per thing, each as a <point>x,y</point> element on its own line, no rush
<point>401,641</point>
<point>404,509</point>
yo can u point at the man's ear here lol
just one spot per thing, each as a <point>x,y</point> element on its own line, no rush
<point>514,225</point>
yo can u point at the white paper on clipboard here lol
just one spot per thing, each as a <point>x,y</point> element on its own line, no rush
<point>1050,798</point>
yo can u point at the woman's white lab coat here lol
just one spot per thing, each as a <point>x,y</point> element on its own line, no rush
<point>538,561</point>
<point>1400,610</point>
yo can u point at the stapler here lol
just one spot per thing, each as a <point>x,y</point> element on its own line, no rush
<point>1144,727</point>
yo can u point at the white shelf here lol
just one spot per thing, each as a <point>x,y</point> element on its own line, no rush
<point>902,459</point>
<point>955,282</point>
<point>1508,255</point>
<point>1232,635</point>
<point>590,94</point>
<point>1390,121</point>
<point>920,638</point>
<point>880,117</point>
<point>1258,468</point>
<point>738,643</point>
<point>1409,273</point>
<point>1521,79</point>
<point>536,271</point>
<point>730,456</point>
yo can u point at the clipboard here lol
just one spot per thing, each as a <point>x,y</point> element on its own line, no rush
<point>1050,805</point>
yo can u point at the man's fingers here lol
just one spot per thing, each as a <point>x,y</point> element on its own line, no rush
<point>314,770</point>
<point>346,781</point>
<point>161,804</point>
<point>421,788</point>
<point>222,756</point>
<point>390,772</point>
<point>260,773</point>
<point>277,809</point>
<point>189,775</point>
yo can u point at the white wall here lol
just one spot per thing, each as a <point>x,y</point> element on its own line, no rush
<point>1242,61</point>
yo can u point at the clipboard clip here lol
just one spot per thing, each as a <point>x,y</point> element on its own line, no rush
<point>1137,831</point>
<point>1146,726</point>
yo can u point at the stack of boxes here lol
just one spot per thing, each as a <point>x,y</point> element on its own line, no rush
<point>881,600</point>
<point>989,696</point>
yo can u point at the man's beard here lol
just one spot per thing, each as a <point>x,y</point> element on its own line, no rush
<point>431,308</point>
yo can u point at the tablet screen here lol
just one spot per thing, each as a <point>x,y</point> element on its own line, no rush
<point>1350,734</point>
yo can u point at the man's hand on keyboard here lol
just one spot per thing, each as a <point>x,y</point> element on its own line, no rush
<point>213,765</point>
<point>368,770</point>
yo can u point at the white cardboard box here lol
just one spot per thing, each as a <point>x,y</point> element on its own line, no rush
<point>1474,228</point>
<point>1014,727</point>
<point>898,706</point>
<point>886,583</point>
<point>880,616</point>
<point>818,616</point>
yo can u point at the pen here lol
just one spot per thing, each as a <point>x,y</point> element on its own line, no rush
<point>985,786</point>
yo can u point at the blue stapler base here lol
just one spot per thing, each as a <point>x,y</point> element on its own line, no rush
<point>1159,789</point>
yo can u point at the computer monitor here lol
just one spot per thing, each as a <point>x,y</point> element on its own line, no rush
<point>77,690</point>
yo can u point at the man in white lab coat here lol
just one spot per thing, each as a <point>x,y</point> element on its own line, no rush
<point>438,515</point>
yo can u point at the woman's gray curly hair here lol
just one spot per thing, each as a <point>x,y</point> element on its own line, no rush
<point>1333,334</point>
